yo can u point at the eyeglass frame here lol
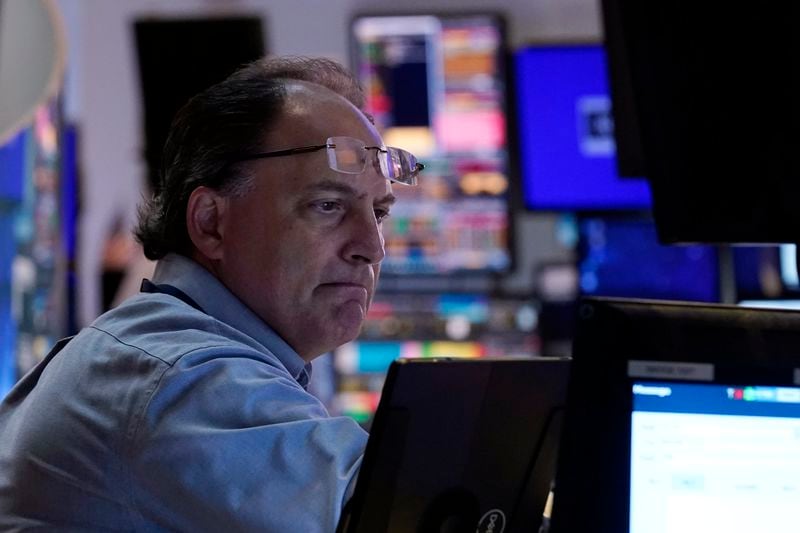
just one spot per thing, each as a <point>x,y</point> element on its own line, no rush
<point>418,167</point>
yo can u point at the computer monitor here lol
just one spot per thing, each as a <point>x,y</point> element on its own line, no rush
<point>436,85</point>
<point>621,256</point>
<point>461,445</point>
<point>715,111</point>
<point>680,417</point>
<point>567,150</point>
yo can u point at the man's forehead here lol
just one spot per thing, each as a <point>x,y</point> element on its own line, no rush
<point>299,89</point>
<point>312,113</point>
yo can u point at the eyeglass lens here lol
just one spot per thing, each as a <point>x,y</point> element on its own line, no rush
<point>349,155</point>
<point>346,155</point>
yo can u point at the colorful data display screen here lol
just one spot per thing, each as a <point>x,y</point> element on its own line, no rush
<point>33,266</point>
<point>436,87</point>
<point>414,325</point>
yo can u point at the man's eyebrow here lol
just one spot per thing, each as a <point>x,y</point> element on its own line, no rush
<point>331,185</point>
<point>344,188</point>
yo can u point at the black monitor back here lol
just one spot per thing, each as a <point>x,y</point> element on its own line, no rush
<point>461,445</point>
<point>705,103</point>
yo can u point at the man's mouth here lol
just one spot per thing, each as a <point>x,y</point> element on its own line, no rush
<point>357,290</point>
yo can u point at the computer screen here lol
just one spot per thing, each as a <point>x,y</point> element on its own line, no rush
<point>435,86</point>
<point>692,415</point>
<point>714,458</point>
<point>567,149</point>
<point>622,257</point>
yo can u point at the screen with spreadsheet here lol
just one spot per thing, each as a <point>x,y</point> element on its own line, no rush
<point>710,457</point>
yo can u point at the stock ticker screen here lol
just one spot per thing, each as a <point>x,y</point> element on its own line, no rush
<point>435,86</point>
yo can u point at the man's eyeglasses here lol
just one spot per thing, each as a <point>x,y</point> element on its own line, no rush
<point>349,155</point>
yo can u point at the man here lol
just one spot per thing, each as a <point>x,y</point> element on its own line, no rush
<point>185,408</point>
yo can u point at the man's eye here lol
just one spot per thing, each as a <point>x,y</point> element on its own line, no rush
<point>381,214</point>
<point>327,206</point>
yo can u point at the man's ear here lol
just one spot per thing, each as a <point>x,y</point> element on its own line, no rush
<point>205,221</point>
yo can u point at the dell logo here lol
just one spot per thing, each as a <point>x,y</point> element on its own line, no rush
<point>493,521</point>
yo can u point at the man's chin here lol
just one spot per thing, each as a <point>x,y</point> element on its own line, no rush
<point>350,315</point>
<point>341,326</point>
<point>344,335</point>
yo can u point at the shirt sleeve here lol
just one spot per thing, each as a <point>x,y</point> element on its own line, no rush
<point>234,443</point>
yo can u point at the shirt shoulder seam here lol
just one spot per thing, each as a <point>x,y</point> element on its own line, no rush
<point>139,348</point>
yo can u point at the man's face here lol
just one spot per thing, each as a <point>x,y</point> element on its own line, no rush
<point>303,248</point>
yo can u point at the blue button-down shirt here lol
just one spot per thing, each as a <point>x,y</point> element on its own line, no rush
<point>160,416</point>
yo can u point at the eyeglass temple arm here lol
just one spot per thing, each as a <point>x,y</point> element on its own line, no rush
<point>280,153</point>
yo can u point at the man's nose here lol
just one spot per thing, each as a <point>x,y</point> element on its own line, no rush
<point>366,243</point>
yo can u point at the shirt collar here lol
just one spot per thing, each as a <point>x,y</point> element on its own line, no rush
<point>217,301</point>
